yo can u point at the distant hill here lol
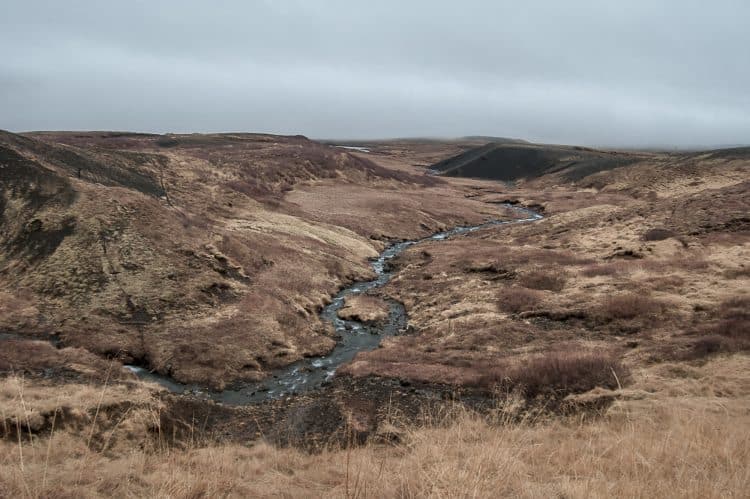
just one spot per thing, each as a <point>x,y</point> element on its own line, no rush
<point>513,160</point>
<point>496,140</point>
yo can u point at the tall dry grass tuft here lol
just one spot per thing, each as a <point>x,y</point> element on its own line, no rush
<point>668,450</point>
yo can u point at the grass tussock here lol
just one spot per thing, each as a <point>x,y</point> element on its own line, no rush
<point>666,283</point>
<point>514,299</point>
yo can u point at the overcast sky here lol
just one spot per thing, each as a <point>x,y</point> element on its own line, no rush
<point>598,72</point>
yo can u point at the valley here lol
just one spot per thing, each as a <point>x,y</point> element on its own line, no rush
<point>530,306</point>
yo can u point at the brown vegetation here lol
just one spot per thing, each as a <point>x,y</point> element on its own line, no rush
<point>113,414</point>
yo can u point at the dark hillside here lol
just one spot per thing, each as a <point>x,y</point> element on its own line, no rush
<point>508,162</point>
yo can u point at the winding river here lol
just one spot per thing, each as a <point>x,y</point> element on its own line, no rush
<point>355,336</point>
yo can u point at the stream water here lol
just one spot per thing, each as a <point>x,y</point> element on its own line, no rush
<point>355,336</point>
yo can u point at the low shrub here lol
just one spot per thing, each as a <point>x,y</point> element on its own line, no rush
<point>733,320</point>
<point>735,308</point>
<point>740,273</point>
<point>545,280</point>
<point>606,269</point>
<point>732,328</point>
<point>669,282</point>
<point>657,234</point>
<point>709,345</point>
<point>517,299</point>
<point>728,332</point>
<point>628,306</point>
<point>559,373</point>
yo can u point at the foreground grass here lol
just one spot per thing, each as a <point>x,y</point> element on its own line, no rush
<point>680,432</point>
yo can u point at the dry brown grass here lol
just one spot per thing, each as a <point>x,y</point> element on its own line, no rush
<point>712,344</point>
<point>650,266</point>
<point>685,437</point>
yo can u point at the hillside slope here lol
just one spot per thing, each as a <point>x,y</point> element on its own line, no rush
<point>181,253</point>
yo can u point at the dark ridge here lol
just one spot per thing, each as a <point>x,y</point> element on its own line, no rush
<point>313,160</point>
<point>495,140</point>
<point>513,161</point>
<point>36,241</point>
<point>24,179</point>
<point>733,153</point>
<point>107,167</point>
<point>102,133</point>
<point>278,161</point>
<point>31,187</point>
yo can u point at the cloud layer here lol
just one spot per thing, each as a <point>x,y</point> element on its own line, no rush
<point>596,72</point>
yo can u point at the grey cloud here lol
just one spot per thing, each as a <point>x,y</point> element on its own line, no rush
<point>590,72</point>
